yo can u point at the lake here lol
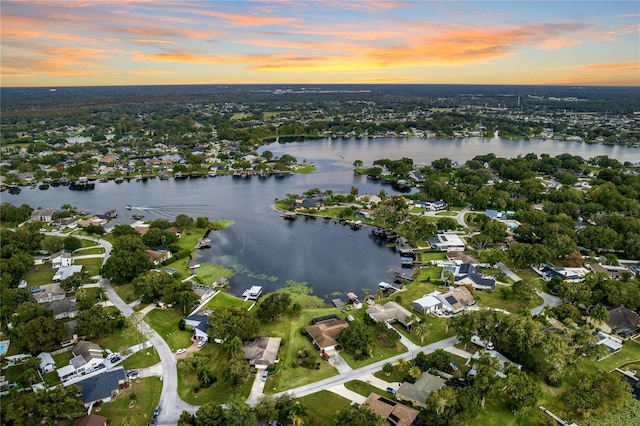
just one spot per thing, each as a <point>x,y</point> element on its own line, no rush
<point>268,251</point>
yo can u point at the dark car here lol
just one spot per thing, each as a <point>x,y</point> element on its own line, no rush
<point>274,423</point>
<point>156,411</point>
<point>392,391</point>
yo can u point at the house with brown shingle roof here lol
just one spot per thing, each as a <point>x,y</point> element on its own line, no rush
<point>325,334</point>
<point>395,413</point>
<point>622,321</point>
<point>390,312</point>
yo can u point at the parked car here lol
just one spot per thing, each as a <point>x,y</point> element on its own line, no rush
<point>201,343</point>
<point>156,412</point>
<point>132,374</point>
<point>274,423</point>
<point>180,351</point>
<point>392,391</point>
<point>265,375</point>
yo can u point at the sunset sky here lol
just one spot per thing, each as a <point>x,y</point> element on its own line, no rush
<point>121,42</point>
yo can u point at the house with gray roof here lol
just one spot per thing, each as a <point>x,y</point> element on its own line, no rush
<point>468,273</point>
<point>102,387</point>
<point>65,272</point>
<point>418,392</point>
<point>262,351</point>
<point>200,325</point>
<point>390,312</point>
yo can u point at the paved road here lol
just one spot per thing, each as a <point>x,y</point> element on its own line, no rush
<point>547,299</point>
<point>171,404</point>
<point>363,372</point>
<point>460,216</point>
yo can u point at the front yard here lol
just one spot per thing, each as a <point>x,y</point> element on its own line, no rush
<point>146,393</point>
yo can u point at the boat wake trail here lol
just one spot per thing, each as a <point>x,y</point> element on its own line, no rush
<point>171,211</point>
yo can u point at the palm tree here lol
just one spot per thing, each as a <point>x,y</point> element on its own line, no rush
<point>415,372</point>
<point>422,330</point>
<point>402,364</point>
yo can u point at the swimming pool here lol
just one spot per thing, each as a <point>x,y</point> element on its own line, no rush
<point>4,346</point>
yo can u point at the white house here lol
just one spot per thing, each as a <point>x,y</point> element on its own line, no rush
<point>200,325</point>
<point>47,293</point>
<point>66,272</point>
<point>428,303</point>
<point>87,358</point>
<point>61,259</point>
<point>447,241</point>
<point>47,363</point>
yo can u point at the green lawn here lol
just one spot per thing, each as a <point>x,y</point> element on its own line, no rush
<point>126,292</point>
<point>144,358</point>
<point>225,299</point>
<point>147,393</point>
<point>447,214</point>
<point>396,375</point>
<point>89,243</point>
<point>322,407</point>
<point>219,392</point>
<point>39,275</point>
<point>491,299</point>
<point>91,250</point>
<point>120,339</point>
<point>165,322</point>
<point>377,351</point>
<point>92,266</point>
<point>363,388</point>
<point>290,328</point>
<point>426,256</point>
<point>437,330</point>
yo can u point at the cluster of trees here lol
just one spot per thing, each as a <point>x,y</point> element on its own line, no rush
<point>47,407</point>
<point>199,363</point>
<point>36,329</point>
<point>599,289</point>
<point>154,285</point>
<point>523,339</point>
<point>11,215</point>
<point>128,258</point>
<point>273,306</point>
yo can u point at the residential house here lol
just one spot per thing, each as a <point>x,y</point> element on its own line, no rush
<point>72,337</point>
<point>64,222</point>
<point>612,343</point>
<point>369,199</point>
<point>42,215</point>
<point>432,206</point>
<point>200,325</point>
<point>456,299</point>
<point>447,241</point>
<point>612,271</point>
<point>468,273</point>
<point>418,392</point>
<point>91,420</point>
<point>66,272</point>
<point>324,334</point>
<point>428,303</point>
<point>497,355</point>
<point>157,257</point>
<point>47,293</point>
<point>622,322</point>
<point>174,230</point>
<point>393,412</point>
<point>366,214</point>
<point>390,312</point>
<point>47,363</point>
<point>566,274</point>
<point>64,308</point>
<point>262,351</point>
<point>61,259</point>
<point>103,387</point>
<point>141,228</point>
<point>87,358</point>
<point>94,221</point>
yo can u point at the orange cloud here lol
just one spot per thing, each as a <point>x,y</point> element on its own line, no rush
<point>238,20</point>
<point>151,72</point>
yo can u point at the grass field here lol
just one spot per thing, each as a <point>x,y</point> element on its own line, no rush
<point>363,388</point>
<point>126,292</point>
<point>225,299</point>
<point>147,394</point>
<point>39,275</point>
<point>322,407</point>
<point>89,243</point>
<point>142,359</point>
<point>120,339</point>
<point>290,328</point>
<point>89,250</point>
<point>165,322</point>
<point>92,266</point>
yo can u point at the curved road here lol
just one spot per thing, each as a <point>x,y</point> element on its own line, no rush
<point>171,405</point>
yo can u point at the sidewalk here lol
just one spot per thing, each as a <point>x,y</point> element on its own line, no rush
<point>459,352</point>
<point>379,383</point>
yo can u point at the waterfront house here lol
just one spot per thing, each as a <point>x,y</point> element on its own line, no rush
<point>157,257</point>
<point>468,273</point>
<point>324,332</point>
<point>262,351</point>
<point>428,303</point>
<point>447,241</point>
<point>622,322</point>
<point>418,392</point>
<point>200,325</point>
<point>42,215</point>
<point>390,312</point>
<point>94,221</point>
<point>456,299</point>
<point>393,412</point>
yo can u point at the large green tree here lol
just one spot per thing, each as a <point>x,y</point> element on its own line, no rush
<point>358,415</point>
<point>356,338</point>
<point>229,322</point>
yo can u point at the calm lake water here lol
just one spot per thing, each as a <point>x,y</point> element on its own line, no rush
<point>268,251</point>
